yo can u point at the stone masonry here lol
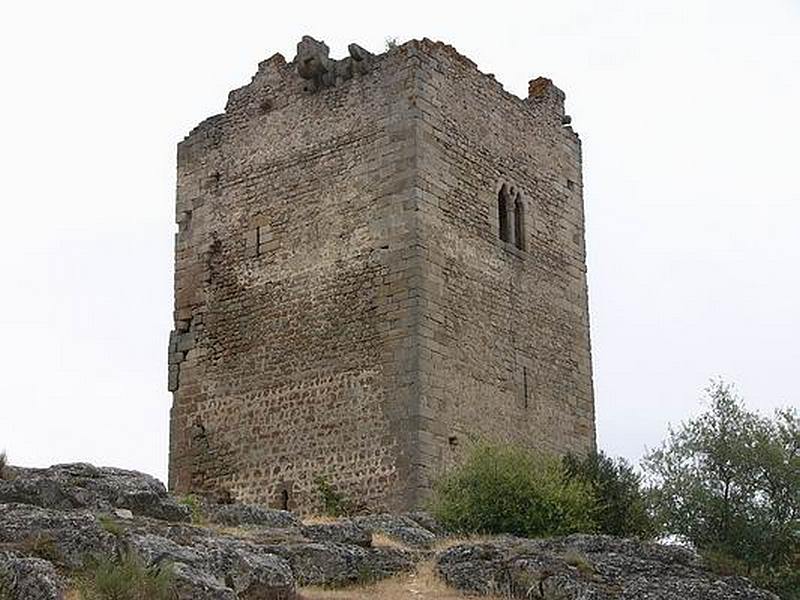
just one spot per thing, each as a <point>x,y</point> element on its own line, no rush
<point>379,260</point>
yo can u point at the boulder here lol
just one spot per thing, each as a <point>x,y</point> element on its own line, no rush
<point>340,532</point>
<point>426,520</point>
<point>398,527</point>
<point>83,486</point>
<point>236,565</point>
<point>341,564</point>
<point>248,568</point>
<point>239,514</point>
<point>28,578</point>
<point>194,584</point>
<point>586,566</point>
<point>67,538</point>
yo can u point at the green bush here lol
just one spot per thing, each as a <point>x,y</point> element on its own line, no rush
<point>127,578</point>
<point>621,502</point>
<point>506,489</point>
<point>729,482</point>
<point>334,503</point>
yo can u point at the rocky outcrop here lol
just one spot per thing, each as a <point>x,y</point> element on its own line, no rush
<point>55,522</point>
<point>80,485</point>
<point>65,538</point>
<point>587,566</point>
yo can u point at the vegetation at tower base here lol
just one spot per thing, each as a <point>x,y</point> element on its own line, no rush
<point>508,489</point>
<point>118,535</point>
<point>729,482</point>
<point>621,503</point>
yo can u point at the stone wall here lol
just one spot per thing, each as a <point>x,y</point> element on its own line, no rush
<point>344,307</point>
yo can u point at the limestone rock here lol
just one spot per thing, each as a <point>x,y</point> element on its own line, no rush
<point>237,565</point>
<point>398,527</point>
<point>67,538</point>
<point>236,515</point>
<point>85,486</point>
<point>340,532</point>
<point>583,566</point>
<point>27,578</point>
<point>341,564</point>
<point>193,584</point>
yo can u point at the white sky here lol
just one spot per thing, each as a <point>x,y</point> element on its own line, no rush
<point>689,111</point>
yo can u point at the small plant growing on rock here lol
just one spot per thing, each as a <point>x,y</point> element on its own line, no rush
<point>507,489</point>
<point>127,578</point>
<point>110,525</point>
<point>391,43</point>
<point>195,509</point>
<point>41,546</point>
<point>580,562</point>
<point>3,465</point>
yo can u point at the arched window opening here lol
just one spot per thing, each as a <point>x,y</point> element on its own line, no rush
<point>519,223</point>
<point>502,214</point>
<point>284,500</point>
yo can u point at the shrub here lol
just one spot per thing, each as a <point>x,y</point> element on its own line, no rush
<point>506,489</point>
<point>729,481</point>
<point>621,502</point>
<point>334,503</point>
<point>3,464</point>
<point>127,578</point>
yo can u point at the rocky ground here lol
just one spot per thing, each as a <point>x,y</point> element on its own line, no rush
<point>54,522</point>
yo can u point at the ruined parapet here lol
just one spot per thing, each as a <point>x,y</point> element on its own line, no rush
<point>313,64</point>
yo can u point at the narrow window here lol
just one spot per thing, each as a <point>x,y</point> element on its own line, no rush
<point>519,223</point>
<point>284,499</point>
<point>502,214</point>
<point>525,386</point>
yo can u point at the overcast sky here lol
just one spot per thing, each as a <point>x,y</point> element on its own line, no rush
<point>689,113</point>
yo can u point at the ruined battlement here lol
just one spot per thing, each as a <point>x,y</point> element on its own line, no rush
<point>379,259</point>
<point>313,69</point>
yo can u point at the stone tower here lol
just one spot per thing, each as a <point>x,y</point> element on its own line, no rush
<point>379,260</point>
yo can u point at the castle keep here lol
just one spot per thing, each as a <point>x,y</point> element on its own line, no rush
<point>379,259</point>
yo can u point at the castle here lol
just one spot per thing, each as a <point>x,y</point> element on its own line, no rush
<point>379,260</point>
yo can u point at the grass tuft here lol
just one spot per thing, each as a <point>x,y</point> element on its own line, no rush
<point>111,525</point>
<point>195,509</point>
<point>127,578</point>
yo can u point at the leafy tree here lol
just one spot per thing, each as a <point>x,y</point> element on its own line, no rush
<point>621,507</point>
<point>729,482</point>
<point>506,489</point>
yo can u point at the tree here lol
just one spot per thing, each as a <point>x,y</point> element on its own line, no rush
<point>729,482</point>
<point>621,503</point>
